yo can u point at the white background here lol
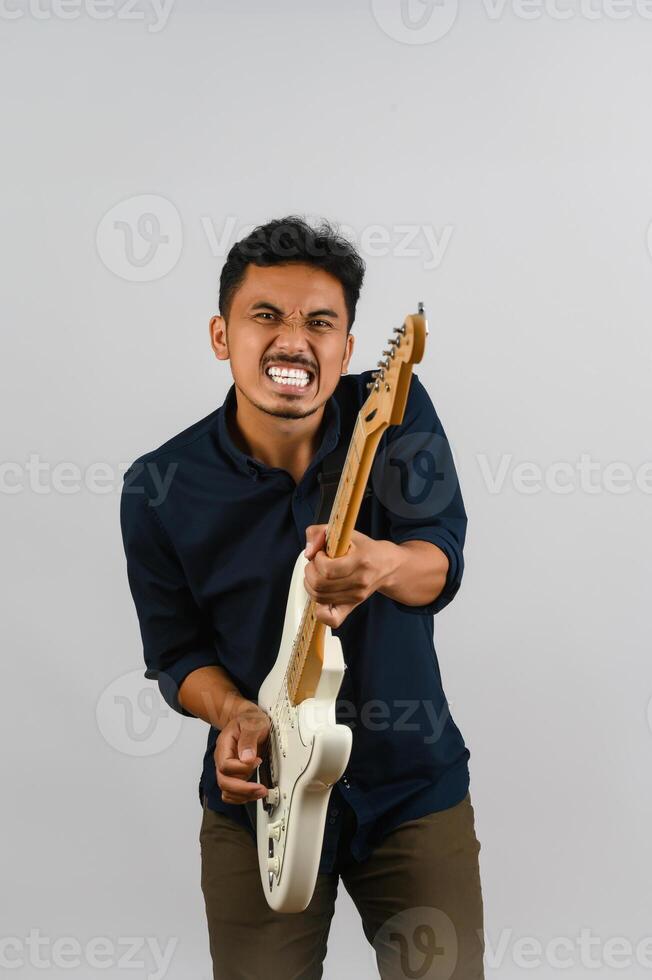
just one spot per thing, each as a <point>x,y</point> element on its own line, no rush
<point>520,139</point>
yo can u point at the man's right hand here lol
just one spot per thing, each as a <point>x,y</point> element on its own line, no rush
<point>237,754</point>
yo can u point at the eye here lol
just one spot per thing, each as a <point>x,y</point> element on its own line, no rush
<point>266,314</point>
<point>323,323</point>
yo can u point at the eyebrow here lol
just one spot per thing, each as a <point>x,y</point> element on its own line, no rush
<point>264,305</point>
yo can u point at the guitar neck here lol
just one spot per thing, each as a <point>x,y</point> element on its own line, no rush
<point>384,406</point>
<point>351,488</point>
<point>306,663</point>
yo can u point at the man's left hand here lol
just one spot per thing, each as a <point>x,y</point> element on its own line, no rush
<point>338,585</point>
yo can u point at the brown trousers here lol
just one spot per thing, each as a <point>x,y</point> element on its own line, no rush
<point>418,895</point>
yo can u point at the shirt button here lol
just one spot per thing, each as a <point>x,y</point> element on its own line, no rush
<point>334,811</point>
<point>345,781</point>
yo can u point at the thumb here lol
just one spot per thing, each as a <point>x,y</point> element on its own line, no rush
<point>247,745</point>
<point>315,539</point>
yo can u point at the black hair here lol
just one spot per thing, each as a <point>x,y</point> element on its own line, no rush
<point>291,239</point>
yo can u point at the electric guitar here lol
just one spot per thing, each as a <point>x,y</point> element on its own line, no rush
<point>306,751</point>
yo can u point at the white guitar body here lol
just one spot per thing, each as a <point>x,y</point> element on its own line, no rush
<point>310,752</point>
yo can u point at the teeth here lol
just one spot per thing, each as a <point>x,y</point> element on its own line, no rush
<point>290,372</point>
<point>295,377</point>
<point>292,382</point>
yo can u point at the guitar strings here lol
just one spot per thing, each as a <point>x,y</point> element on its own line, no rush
<point>283,706</point>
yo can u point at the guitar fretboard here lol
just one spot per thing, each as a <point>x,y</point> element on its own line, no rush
<point>305,664</point>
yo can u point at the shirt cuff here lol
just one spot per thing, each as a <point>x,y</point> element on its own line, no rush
<point>455,567</point>
<point>171,679</point>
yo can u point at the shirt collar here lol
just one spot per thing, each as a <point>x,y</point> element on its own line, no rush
<point>252,466</point>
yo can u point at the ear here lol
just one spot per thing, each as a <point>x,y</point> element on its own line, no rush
<point>348,351</point>
<point>217,332</point>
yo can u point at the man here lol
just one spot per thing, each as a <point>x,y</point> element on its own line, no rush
<point>212,523</point>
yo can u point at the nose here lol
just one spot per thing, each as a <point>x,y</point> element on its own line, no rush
<point>291,326</point>
<point>292,345</point>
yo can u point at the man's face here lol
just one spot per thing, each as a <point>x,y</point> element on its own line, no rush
<point>286,317</point>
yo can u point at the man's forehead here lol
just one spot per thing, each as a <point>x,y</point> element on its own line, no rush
<point>301,287</point>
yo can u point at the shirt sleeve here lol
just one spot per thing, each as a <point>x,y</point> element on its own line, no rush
<point>176,636</point>
<point>421,492</point>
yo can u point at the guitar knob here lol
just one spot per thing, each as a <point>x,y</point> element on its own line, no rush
<point>273,865</point>
<point>274,829</point>
<point>273,795</point>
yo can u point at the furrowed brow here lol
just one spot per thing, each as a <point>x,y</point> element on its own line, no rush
<point>331,313</point>
<point>264,305</point>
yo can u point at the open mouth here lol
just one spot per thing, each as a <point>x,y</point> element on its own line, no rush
<point>289,380</point>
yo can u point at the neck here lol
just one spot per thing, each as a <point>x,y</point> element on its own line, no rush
<point>287,443</point>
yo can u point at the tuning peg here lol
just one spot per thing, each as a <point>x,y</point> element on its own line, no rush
<point>399,329</point>
<point>390,352</point>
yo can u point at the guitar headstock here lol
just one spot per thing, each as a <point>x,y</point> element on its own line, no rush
<point>389,389</point>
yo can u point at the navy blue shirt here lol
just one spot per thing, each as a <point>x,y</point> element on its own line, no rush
<point>211,535</point>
